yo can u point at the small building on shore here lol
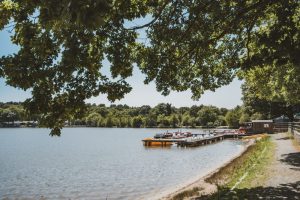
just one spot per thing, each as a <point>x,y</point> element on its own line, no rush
<point>17,124</point>
<point>262,126</point>
<point>297,117</point>
<point>281,119</point>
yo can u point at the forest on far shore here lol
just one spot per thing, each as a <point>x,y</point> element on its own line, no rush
<point>163,115</point>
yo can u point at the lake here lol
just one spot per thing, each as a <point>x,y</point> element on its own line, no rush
<point>100,163</point>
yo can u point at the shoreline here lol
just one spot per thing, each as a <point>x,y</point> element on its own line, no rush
<point>153,127</point>
<point>201,180</point>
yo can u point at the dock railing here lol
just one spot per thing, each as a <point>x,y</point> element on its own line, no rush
<point>294,129</point>
<point>280,127</point>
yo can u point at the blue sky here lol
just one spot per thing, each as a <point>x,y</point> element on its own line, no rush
<point>227,96</point>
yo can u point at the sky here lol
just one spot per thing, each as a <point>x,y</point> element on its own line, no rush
<point>227,96</point>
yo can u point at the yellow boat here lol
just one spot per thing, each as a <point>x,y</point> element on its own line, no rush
<point>155,142</point>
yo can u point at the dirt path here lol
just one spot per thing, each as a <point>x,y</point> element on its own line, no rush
<point>285,169</point>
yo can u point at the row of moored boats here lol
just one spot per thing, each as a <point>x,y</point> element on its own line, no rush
<point>187,136</point>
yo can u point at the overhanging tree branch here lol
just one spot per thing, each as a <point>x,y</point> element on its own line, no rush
<point>152,21</point>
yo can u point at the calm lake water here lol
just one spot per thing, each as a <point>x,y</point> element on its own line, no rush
<point>99,163</point>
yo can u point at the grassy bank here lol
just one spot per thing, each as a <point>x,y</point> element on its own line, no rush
<point>246,171</point>
<point>187,193</point>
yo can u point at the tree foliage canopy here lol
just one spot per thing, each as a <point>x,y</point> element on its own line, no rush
<point>125,116</point>
<point>197,45</point>
<point>270,107</point>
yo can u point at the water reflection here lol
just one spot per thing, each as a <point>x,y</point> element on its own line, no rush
<point>99,163</point>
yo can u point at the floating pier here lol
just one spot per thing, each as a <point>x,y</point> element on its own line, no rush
<point>187,142</point>
<point>200,142</point>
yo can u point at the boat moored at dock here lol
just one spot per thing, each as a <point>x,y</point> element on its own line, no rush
<point>173,135</point>
<point>157,142</point>
<point>187,139</point>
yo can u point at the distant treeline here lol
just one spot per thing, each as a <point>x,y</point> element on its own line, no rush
<point>162,115</point>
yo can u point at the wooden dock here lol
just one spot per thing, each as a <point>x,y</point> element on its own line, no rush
<point>200,142</point>
<point>190,141</point>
